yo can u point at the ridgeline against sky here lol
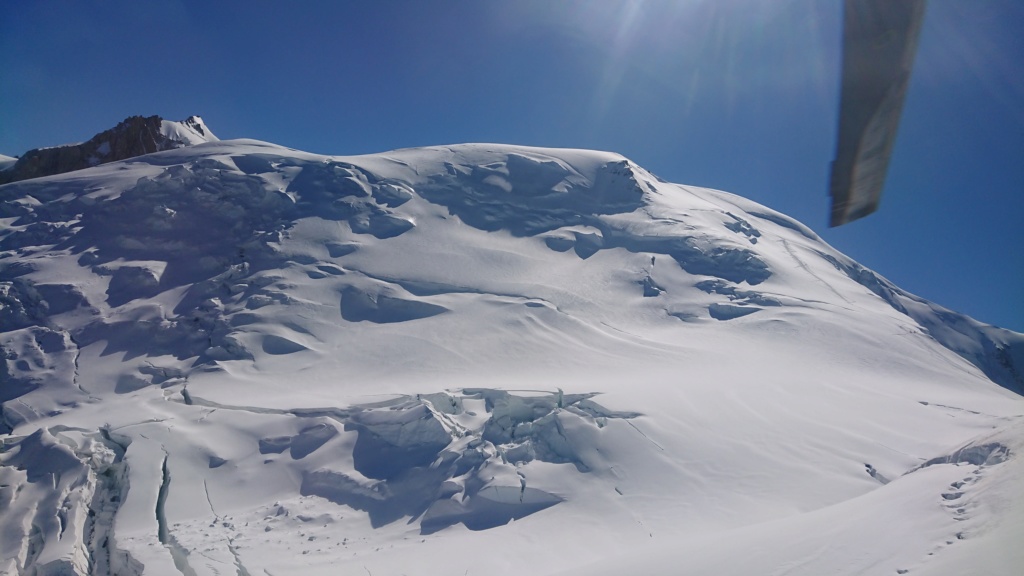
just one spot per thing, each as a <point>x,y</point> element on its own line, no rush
<point>732,95</point>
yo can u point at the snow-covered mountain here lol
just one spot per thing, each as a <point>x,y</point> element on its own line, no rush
<point>135,136</point>
<point>234,357</point>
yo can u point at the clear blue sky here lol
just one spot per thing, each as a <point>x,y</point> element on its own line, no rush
<point>735,95</point>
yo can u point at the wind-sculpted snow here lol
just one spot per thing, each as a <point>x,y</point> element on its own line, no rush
<point>214,230</point>
<point>300,445</point>
<point>429,457</point>
<point>379,307</point>
<point>528,196</point>
<point>240,358</point>
<point>550,196</point>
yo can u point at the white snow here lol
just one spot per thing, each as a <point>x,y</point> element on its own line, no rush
<point>190,131</point>
<point>237,357</point>
<point>7,161</point>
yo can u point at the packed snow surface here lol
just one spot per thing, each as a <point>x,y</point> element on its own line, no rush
<point>240,358</point>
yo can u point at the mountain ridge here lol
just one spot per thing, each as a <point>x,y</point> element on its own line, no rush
<point>132,137</point>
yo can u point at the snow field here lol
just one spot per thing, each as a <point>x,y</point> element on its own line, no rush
<point>477,359</point>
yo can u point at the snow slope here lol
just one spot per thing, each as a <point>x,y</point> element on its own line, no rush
<point>188,132</point>
<point>478,359</point>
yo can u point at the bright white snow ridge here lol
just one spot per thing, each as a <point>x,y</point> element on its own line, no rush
<point>238,358</point>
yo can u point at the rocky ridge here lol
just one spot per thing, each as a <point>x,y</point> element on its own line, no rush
<point>134,136</point>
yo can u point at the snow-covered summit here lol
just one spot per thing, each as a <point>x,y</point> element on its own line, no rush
<point>477,358</point>
<point>188,132</point>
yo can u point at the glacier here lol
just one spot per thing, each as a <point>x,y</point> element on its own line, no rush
<point>233,356</point>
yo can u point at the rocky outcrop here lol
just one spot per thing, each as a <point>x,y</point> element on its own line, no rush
<point>132,137</point>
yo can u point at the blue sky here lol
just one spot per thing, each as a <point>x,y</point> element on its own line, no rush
<point>739,95</point>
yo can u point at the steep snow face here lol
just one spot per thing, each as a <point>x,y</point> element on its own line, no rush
<point>188,132</point>
<point>483,358</point>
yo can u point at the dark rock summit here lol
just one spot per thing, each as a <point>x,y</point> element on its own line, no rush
<point>135,136</point>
